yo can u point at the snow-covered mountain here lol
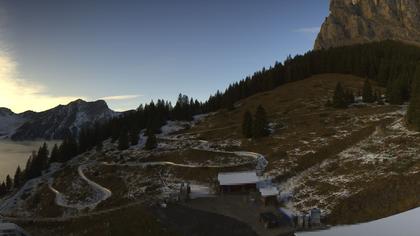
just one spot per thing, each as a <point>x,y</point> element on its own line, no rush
<point>54,123</point>
<point>9,122</point>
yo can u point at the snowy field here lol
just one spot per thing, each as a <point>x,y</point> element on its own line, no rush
<point>405,224</point>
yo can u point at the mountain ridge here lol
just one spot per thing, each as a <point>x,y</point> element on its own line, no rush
<point>54,123</point>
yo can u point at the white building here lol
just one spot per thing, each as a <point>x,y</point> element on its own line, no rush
<point>238,181</point>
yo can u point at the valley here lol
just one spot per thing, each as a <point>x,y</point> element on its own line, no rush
<point>99,137</point>
<point>317,156</point>
<point>14,154</point>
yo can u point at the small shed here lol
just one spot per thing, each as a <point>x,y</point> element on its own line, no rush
<point>238,181</point>
<point>269,195</point>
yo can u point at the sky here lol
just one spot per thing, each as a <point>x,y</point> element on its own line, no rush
<point>130,52</point>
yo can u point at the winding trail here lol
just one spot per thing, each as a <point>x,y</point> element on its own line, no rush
<point>102,193</point>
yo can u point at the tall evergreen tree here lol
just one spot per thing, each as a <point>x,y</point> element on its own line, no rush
<point>260,123</point>
<point>349,97</point>
<point>151,142</point>
<point>394,92</point>
<point>55,154</point>
<point>43,156</point>
<point>339,98</point>
<point>28,168</point>
<point>9,183</point>
<point>40,162</point>
<point>3,189</point>
<point>17,180</point>
<point>123,142</point>
<point>68,148</point>
<point>134,136</point>
<point>413,113</point>
<point>247,125</point>
<point>367,94</point>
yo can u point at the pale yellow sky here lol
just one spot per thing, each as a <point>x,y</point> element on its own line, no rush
<point>20,95</point>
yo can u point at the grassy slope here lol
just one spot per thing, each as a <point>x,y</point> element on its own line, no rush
<point>307,134</point>
<point>304,127</point>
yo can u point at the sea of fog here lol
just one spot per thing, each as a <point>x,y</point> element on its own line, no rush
<point>13,154</point>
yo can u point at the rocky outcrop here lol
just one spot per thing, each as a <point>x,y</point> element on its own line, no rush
<point>362,21</point>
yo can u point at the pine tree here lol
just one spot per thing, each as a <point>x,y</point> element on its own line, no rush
<point>413,113</point>
<point>134,136</point>
<point>247,125</point>
<point>18,178</point>
<point>151,142</point>
<point>339,98</point>
<point>394,92</point>
<point>367,92</point>
<point>349,97</point>
<point>55,154</point>
<point>99,146</point>
<point>260,123</point>
<point>123,142</point>
<point>9,183</point>
<point>68,149</point>
<point>3,189</point>
<point>40,161</point>
<point>28,167</point>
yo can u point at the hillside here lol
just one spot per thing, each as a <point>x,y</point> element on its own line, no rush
<point>335,159</point>
<point>329,157</point>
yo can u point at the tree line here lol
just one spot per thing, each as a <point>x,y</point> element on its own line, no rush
<point>391,64</point>
<point>124,129</point>
<point>255,126</point>
<point>343,97</point>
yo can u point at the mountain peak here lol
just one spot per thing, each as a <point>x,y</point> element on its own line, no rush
<point>78,101</point>
<point>57,122</point>
<point>355,21</point>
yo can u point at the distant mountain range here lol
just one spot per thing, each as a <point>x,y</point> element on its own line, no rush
<point>54,123</point>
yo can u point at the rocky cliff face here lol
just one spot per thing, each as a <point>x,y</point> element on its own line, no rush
<point>362,21</point>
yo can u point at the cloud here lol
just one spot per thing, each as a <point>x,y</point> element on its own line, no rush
<point>122,97</point>
<point>308,30</point>
<point>16,93</point>
<point>21,95</point>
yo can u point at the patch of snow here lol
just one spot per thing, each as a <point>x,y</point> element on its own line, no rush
<point>400,224</point>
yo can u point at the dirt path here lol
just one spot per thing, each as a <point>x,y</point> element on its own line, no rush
<point>101,193</point>
<point>104,193</point>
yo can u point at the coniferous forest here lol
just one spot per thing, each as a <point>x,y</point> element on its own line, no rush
<point>390,64</point>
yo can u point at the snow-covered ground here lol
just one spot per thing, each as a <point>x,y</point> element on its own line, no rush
<point>404,224</point>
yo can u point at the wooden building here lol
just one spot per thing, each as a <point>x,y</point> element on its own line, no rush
<point>238,181</point>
